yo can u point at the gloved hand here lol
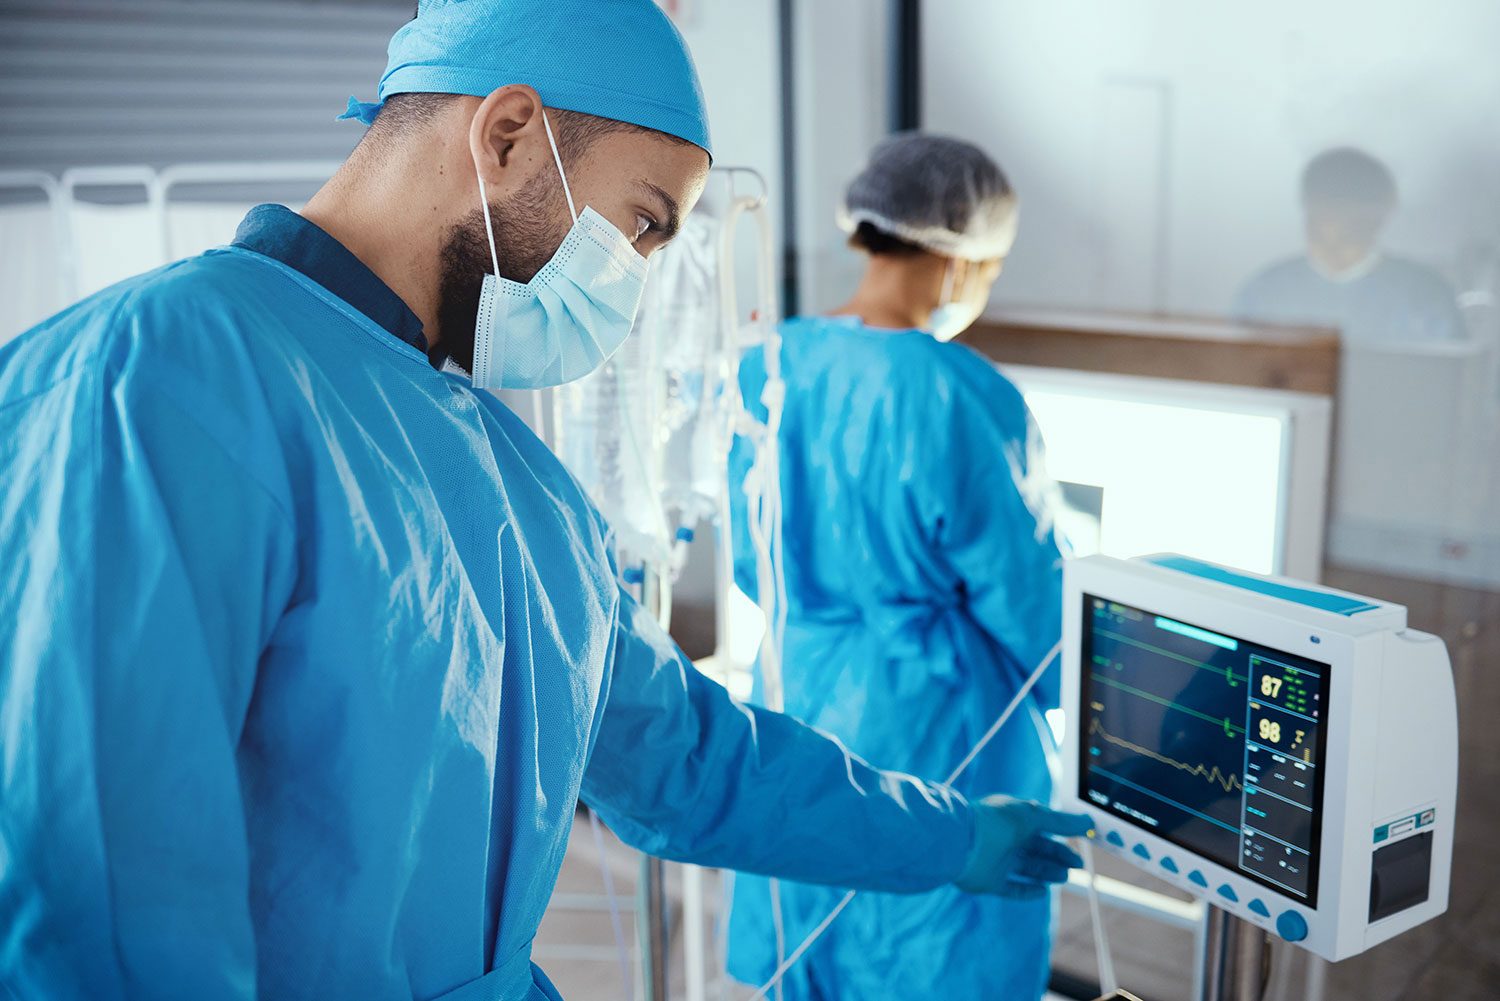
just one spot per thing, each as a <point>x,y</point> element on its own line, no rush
<point>1014,853</point>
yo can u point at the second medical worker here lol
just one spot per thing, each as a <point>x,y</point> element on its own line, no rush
<point>923,574</point>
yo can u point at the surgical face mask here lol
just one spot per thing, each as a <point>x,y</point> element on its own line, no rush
<point>573,314</point>
<point>953,316</point>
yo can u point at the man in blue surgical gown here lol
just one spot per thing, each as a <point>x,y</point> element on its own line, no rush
<point>308,647</point>
<point>923,574</point>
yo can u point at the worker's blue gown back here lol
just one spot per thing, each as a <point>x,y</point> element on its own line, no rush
<point>307,652</point>
<point>924,584</point>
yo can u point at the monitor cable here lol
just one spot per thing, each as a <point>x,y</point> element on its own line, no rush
<point>989,735</point>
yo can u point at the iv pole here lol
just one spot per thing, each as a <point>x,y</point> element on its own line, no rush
<point>652,896</point>
<point>1239,958</point>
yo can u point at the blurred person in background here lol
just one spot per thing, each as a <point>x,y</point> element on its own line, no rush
<point>1345,279</point>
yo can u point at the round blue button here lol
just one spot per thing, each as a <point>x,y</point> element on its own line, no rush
<point>1291,926</point>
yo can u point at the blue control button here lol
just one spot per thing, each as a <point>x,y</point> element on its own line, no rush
<point>1140,850</point>
<point>1113,837</point>
<point>1197,877</point>
<point>1168,864</point>
<point>1291,926</point>
<point>1258,907</point>
<point>1227,892</point>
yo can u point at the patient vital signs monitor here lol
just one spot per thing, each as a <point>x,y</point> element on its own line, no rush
<point>1286,752</point>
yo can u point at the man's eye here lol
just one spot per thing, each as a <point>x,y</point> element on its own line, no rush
<point>643,225</point>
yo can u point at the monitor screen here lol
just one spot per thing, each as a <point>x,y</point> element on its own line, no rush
<point>1209,741</point>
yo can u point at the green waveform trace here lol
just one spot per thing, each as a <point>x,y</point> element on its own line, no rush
<point>1228,674</point>
<point>1231,729</point>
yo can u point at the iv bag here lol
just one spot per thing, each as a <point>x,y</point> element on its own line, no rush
<point>630,431</point>
<point>605,432</point>
<point>686,316</point>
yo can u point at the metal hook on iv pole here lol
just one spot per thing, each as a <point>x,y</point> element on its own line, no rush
<point>724,368</point>
<point>730,173</point>
<point>768,461</point>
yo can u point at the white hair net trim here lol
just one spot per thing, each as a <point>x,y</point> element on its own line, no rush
<point>992,243</point>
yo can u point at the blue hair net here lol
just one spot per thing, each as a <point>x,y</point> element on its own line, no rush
<point>617,59</point>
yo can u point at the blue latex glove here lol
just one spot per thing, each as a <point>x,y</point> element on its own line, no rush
<point>1015,853</point>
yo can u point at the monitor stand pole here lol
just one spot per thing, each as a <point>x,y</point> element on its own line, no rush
<point>1239,956</point>
<point>652,914</point>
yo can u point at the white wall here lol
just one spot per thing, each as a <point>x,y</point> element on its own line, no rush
<point>841,78</point>
<point>1102,109</point>
<point>734,43</point>
<point>839,65</point>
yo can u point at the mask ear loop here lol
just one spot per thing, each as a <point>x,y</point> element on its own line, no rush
<point>557,157</point>
<point>484,334</point>
<point>949,278</point>
<point>489,229</point>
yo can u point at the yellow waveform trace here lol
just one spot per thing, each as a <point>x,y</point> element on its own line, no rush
<point>1229,783</point>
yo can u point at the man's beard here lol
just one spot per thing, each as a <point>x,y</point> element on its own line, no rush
<point>529,227</point>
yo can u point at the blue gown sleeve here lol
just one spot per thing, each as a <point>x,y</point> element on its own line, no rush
<point>140,569</point>
<point>741,458</point>
<point>752,380</point>
<point>682,771</point>
<point>986,506</point>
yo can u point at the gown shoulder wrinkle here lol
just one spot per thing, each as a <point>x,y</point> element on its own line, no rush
<point>560,481</point>
<point>977,379</point>
<point>173,333</point>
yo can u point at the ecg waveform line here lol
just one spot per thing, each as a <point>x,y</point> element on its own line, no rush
<point>1228,783</point>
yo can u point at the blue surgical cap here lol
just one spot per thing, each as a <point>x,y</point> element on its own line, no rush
<point>617,59</point>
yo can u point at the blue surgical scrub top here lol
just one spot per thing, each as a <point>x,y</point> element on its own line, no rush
<point>308,651</point>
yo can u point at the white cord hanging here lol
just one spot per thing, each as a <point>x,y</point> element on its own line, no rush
<point>1107,982</point>
<point>622,947</point>
<point>763,483</point>
<point>786,964</point>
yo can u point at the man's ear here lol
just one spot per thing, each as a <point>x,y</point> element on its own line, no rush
<point>507,138</point>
